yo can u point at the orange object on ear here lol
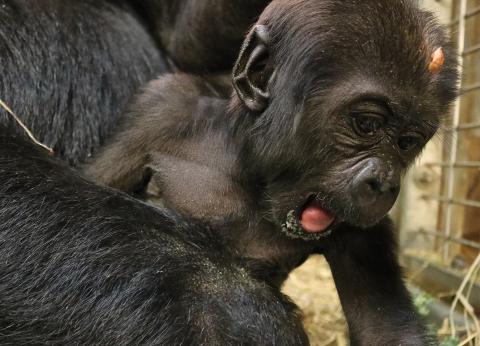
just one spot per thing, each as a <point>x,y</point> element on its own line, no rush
<point>438,59</point>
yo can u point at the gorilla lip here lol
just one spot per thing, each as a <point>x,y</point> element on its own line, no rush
<point>314,218</point>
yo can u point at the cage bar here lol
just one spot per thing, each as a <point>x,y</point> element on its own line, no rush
<point>456,123</point>
<point>440,234</point>
<point>466,15</point>
<point>459,164</point>
<point>453,201</point>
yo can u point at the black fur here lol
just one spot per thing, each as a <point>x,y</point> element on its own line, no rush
<point>68,68</point>
<point>87,265</point>
<point>308,72</point>
<point>368,278</point>
<point>201,36</point>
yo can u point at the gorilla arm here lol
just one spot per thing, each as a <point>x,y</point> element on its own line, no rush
<point>369,281</point>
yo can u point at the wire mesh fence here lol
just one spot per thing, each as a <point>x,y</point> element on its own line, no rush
<point>446,249</point>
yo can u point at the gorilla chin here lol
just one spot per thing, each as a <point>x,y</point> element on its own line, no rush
<point>316,218</point>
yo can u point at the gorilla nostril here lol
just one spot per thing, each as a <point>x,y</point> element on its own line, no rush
<point>372,188</point>
<point>374,185</point>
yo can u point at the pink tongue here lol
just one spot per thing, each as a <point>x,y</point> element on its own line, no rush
<point>314,219</point>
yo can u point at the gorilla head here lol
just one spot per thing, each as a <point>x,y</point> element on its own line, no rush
<point>343,95</point>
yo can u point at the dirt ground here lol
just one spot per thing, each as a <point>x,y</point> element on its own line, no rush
<point>311,287</point>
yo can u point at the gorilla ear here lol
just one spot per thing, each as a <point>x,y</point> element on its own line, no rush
<point>253,70</point>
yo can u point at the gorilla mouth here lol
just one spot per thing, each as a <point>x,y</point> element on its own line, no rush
<point>314,218</point>
<point>311,221</point>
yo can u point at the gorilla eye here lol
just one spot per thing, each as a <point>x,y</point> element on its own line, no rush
<point>409,142</point>
<point>368,123</point>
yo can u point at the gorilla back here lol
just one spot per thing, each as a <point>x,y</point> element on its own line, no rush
<point>69,67</point>
<point>87,265</point>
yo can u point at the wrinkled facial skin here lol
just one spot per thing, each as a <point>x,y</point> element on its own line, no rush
<point>351,162</point>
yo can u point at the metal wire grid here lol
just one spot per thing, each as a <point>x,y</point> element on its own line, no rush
<point>451,165</point>
<point>470,328</point>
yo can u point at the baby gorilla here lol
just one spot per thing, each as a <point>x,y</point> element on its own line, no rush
<point>333,101</point>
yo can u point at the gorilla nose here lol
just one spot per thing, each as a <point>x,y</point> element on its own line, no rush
<point>375,188</point>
